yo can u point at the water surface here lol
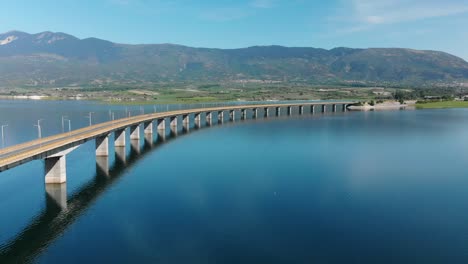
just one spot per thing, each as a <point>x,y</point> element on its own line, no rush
<point>375,187</point>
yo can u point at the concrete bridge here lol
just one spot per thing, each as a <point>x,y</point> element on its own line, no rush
<point>54,149</point>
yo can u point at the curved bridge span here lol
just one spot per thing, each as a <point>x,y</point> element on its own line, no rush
<point>54,149</point>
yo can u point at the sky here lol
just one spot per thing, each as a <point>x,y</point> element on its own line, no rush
<point>418,24</point>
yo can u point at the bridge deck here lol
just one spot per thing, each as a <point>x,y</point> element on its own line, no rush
<point>41,148</point>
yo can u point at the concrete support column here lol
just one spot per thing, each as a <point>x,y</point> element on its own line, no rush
<point>334,107</point>
<point>324,108</point>
<point>173,121</point>
<point>266,112</point>
<point>220,116</point>
<point>345,107</point>
<point>102,146</point>
<point>243,114</point>
<point>162,124</point>
<point>209,117</point>
<point>278,111</point>
<point>120,138</point>
<point>312,109</point>
<point>135,132</point>
<point>186,120</point>
<point>289,110</point>
<point>232,115</point>
<point>197,119</point>
<point>301,109</point>
<point>55,169</point>
<point>255,112</point>
<point>55,166</point>
<point>148,126</point>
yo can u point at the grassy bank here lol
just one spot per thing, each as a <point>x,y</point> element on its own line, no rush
<point>443,104</point>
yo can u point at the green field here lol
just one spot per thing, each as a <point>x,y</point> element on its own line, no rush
<point>443,104</point>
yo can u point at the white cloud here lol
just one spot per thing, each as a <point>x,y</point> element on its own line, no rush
<point>355,16</point>
<point>399,11</point>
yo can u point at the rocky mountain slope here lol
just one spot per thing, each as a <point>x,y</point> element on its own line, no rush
<point>58,59</point>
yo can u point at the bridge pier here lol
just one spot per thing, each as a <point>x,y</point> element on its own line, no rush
<point>135,132</point>
<point>265,112</point>
<point>301,109</point>
<point>58,194</point>
<point>312,109</point>
<point>186,120</point>
<point>324,108</point>
<point>209,118</point>
<point>278,111</point>
<point>289,110</point>
<point>232,115</point>
<point>197,118</point>
<point>334,107</point>
<point>220,116</point>
<point>255,113</point>
<point>120,138</point>
<point>345,108</point>
<point>56,166</point>
<point>243,114</point>
<point>162,124</point>
<point>148,127</point>
<point>102,146</point>
<point>55,169</point>
<point>174,122</point>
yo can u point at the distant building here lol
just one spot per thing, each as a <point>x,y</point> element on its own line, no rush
<point>430,97</point>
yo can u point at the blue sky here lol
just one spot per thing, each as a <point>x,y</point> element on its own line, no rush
<point>418,24</point>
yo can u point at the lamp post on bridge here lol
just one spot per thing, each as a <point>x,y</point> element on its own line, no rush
<point>90,117</point>
<point>63,123</point>
<point>69,124</point>
<point>39,128</point>
<point>3,135</point>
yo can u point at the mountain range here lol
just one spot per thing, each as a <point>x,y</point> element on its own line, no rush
<point>50,59</point>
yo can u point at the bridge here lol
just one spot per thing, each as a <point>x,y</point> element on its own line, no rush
<point>54,149</point>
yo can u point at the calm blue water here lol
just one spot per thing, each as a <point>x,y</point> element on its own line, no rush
<point>375,187</point>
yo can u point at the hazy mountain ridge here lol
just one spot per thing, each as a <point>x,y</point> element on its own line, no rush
<point>59,59</point>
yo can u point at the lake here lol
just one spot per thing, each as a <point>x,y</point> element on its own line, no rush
<point>354,187</point>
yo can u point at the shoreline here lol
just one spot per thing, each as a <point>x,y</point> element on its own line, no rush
<point>385,106</point>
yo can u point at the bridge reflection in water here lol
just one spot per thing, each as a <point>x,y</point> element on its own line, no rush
<point>61,212</point>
